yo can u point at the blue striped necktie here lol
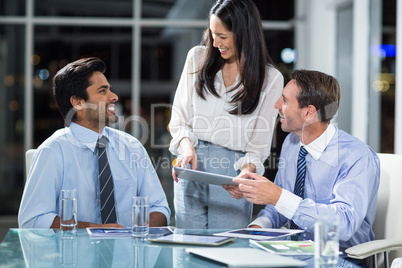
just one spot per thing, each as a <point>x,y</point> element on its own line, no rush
<point>301,174</point>
<point>108,211</point>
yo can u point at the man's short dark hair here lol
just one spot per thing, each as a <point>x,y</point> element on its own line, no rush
<point>320,90</point>
<point>73,80</point>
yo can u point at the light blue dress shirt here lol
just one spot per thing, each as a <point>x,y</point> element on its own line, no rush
<point>342,182</point>
<point>67,160</point>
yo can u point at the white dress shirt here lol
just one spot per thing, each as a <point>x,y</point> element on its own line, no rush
<point>209,120</point>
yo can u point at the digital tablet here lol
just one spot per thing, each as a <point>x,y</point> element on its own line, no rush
<point>202,176</point>
<point>245,257</point>
<point>189,239</point>
<point>260,233</point>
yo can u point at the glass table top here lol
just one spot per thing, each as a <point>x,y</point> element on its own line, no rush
<point>46,248</point>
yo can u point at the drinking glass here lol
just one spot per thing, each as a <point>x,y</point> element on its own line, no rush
<point>326,237</point>
<point>68,212</point>
<point>140,216</point>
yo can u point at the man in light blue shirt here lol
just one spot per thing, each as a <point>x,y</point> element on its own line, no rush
<point>342,173</point>
<point>68,159</point>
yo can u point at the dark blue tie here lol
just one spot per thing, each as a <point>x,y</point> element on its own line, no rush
<point>108,211</point>
<point>301,174</point>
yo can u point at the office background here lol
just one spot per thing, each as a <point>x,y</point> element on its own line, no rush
<point>144,44</point>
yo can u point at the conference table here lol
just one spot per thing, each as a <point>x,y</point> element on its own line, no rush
<point>46,248</point>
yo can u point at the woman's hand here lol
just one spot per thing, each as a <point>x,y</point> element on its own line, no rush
<point>247,168</point>
<point>233,190</point>
<point>188,156</point>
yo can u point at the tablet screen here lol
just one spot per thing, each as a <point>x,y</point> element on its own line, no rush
<point>255,232</point>
<point>193,239</point>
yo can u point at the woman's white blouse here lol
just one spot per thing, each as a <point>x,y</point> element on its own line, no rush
<point>210,120</point>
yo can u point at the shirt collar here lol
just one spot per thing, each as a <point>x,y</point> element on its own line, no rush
<point>317,146</point>
<point>86,137</point>
<point>221,85</point>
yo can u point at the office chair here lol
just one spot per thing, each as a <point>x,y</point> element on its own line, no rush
<point>388,221</point>
<point>397,263</point>
<point>28,160</point>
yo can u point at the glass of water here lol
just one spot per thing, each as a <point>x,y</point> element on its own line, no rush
<point>140,216</point>
<point>68,212</point>
<point>326,238</point>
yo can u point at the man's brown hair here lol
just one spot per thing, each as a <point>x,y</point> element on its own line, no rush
<point>320,90</point>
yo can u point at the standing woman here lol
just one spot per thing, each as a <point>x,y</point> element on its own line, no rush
<point>223,115</point>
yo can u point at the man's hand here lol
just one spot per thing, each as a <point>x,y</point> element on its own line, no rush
<point>83,224</point>
<point>234,189</point>
<point>155,219</point>
<point>188,156</point>
<point>259,190</point>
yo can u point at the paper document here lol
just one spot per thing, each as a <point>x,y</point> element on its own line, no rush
<point>126,232</point>
<point>285,247</point>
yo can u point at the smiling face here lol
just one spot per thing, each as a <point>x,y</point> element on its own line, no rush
<point>222,39</point>
<point>291,115</point>
<point>98,111</point>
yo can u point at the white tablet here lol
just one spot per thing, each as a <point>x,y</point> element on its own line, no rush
<point>204,240</point>
<point>245,257</point>
<point>202,176</point>
<point>260,233</point>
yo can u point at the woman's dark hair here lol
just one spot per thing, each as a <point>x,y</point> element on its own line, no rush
<point>242,18</point>
<point>320,90</point>
<point>73,80</point>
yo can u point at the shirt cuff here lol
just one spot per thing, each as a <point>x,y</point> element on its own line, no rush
<point>261,221</point>
<point>288,204</point>
<point>174,147</point>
